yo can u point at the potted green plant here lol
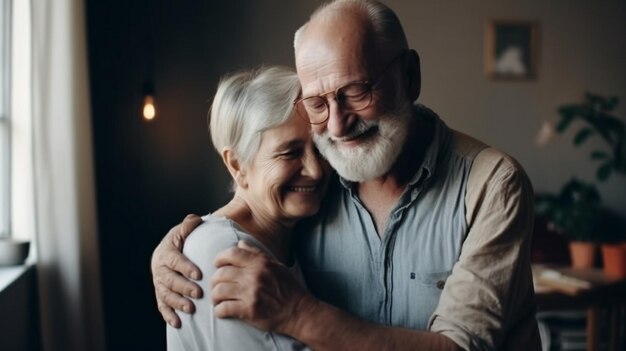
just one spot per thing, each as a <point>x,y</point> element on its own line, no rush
<point>577,210</point>
<point>596,113</point>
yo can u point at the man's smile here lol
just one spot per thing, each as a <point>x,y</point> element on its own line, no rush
<point>356,137</point>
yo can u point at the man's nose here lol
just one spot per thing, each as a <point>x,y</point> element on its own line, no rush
<point>338,119</point>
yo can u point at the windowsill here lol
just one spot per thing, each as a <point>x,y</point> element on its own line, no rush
<point>9,274</point>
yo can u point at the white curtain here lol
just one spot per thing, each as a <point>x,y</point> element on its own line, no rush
<point>65,212</point>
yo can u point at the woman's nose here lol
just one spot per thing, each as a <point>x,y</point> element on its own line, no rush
<point>311,166</point>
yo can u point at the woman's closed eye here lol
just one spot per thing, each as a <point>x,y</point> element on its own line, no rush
<point>291,154</point>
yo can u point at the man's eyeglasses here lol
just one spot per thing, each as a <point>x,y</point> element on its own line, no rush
<point>353,96</point>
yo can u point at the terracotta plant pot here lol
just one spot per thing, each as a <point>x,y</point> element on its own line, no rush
<point>582,254</point>
<point>614,259</point>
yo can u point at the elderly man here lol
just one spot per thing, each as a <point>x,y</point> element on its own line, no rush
<point>423,241</point>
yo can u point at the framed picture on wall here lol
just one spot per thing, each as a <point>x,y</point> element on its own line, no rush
<point>511,49</point>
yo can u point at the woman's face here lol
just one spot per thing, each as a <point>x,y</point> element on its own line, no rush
<point>286,178</point>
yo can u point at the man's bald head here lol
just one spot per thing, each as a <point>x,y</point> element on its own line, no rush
<point>363,24</point>
<point>356,49</point>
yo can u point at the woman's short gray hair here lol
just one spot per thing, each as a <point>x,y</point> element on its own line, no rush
<point>249,102</point>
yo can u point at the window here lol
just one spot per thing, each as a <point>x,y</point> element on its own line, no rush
<point>17,131</point>
<point>5,127</point>
<point>16,152</point>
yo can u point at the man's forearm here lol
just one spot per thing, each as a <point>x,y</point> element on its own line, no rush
<point>325,327</point>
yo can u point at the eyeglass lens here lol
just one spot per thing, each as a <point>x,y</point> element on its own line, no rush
<point>353,96</point>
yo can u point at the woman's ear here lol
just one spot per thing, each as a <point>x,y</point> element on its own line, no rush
<point>234,167</point>
<point>414,74</point>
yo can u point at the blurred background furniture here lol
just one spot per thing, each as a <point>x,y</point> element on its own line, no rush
<point>563,288</point>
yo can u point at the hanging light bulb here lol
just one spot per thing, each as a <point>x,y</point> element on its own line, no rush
<point>149,109</point>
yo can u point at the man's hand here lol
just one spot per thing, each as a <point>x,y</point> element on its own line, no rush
<point>254,287</point>
<point>251,286</point>
<point>169,269</point>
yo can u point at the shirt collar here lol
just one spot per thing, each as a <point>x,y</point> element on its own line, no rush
<point>438,145</point>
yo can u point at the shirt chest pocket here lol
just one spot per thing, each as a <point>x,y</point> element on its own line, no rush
<point>419,298</point>
<point>430,280</point>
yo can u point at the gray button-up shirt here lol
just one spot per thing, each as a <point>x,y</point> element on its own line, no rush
<point>453,257</point>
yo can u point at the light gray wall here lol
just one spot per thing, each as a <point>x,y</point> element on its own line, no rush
<point>582,48</point>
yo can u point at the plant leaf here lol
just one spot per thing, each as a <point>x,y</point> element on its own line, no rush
<point>565,121</point>
<point>610,103</point>
<point>599,155</point>
<point>600,102</point>
<point>604,171</point>
<point>582,135</point>
<point>619,154</point>
<point>612,122</point>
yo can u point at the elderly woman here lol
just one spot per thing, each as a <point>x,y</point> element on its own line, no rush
<point>278,179</point>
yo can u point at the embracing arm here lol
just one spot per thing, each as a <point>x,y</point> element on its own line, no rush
<point>251,286</point>
<point>325,327</point>
<point>202,330</point>
<point>487,303</point>
<point>172,271</point>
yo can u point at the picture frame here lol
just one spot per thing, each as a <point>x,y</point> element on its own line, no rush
<point>511,49</point>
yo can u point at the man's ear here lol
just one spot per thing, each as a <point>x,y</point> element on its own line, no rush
<point>414,75</point>
<point>234,167</point>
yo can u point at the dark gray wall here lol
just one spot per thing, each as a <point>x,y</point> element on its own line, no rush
<point>149,175</point>
<point>19,303</point>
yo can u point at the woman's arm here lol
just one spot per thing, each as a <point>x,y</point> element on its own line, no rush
<point>203,330</point>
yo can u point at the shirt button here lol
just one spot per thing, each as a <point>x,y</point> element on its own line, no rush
<point>441,284</point>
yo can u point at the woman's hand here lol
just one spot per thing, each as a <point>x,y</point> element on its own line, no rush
<point>254,287</point>
<point>171,272</point>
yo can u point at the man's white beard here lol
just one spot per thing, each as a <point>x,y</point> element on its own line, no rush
<point>374,157</point>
